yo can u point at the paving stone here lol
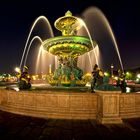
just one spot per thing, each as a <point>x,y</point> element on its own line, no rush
<point>34,133</point>
<point>25,131</point>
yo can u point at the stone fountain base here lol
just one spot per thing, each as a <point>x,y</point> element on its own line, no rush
<point>102,106</point>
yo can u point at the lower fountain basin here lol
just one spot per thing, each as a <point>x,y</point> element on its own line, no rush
<point>107,107</point>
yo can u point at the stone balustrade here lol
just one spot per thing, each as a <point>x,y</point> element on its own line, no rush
<point>104,106</point>
<point>50,105</point>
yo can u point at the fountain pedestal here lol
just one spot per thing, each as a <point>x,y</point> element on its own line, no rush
<point>108,107</point>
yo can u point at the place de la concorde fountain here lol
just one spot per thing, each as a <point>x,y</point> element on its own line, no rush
<point>104,106</point>
<point>68,47</point>
<point>69,50</point>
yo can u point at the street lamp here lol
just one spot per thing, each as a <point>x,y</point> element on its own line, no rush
<point>138,76</point>
<point>138,79</point>
<point>18,73</point>
<point>17,70</point>
<point>112,67</point>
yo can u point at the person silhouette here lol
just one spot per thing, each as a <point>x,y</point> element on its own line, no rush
<point>25,79</point>
<point>95,74</point>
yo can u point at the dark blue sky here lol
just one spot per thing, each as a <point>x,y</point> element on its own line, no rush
<point>18,16</point>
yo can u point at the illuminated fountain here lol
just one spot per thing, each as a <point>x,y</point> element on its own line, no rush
<point>94,25</point>
<point>70,50</point>
<point>66,54</point>
<point>67,48</point>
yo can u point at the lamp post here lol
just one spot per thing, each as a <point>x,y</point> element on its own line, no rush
<point>112,67</point>
<point>18,73</point>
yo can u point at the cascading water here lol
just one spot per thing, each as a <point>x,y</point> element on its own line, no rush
<point>101,31</point>
<point>92,57</point>
<point>45,20</point>
<point>44,59</point>
<point>91,40</point>
<point>28,49</point>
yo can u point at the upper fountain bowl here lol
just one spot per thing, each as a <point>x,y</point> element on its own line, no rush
<point>68,45</point>
<point>68,24</point>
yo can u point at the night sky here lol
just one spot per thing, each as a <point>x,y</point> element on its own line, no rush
<point>18,16</point>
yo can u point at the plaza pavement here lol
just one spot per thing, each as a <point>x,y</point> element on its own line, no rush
<point>18,127</point>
